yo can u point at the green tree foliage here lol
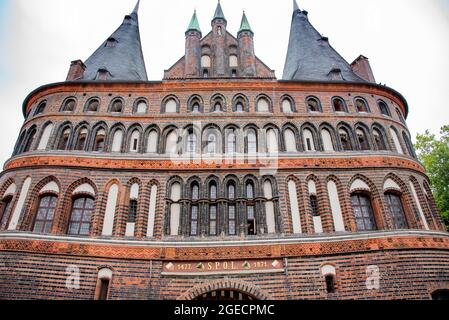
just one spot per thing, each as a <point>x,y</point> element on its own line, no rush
<point>434,154</point>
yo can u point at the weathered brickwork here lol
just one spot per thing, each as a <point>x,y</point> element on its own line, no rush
<point>132,189</point>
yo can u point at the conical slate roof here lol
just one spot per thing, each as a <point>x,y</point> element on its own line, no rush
<point>120,57</point>
<point>310,57</point>
<point>194,24</point>
<point>219,12</point>
<point>244,26</point>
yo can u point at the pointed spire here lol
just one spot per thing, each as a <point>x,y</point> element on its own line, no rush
<point>244,26</point>
<point>120,57</point>
<point>136,8</point>
<point>219,12</point>
<point>194,24</point>
<point>310,57</point>
<point>295,6</point>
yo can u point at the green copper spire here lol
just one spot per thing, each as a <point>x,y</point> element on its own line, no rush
<point>219,12</point>
<point>244,26</point>
<point>194,24</point>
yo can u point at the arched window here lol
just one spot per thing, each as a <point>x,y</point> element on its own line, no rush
<point>117,141</point>
<point>363,140</point>
<point>132,210</point>
<point>196,107</point>
<point>81,142</point>
<point>46,134</point>
<point>29,140</point>
<point>64,139</point>
<point>69,105</point>
<point>175,208</point>
<point>345,140</point>
<point>363,211</point>
<point>400,115</point>
<point>290,141</point>
<point>379,140</point>
<point>171,143</point>
<point>251,141</point>
<point>40,108</point>
<point>383,108</point>
<point>272,141</point>
<point>217,107</point>
<point>313,105</point>
<point>294,207</point>
<point>99,141</point>
<point>339,105</point>
<point>152,142</point>
<point>361,105</point>
<point>396,141</point>
<point>211,144</point>
<point>231,142</point>
<point>269,207</point>
<point>80,219</point>
<point>192,142</point>
<point>239,107</point>
<point>45,214</point>
<point>103,284</point>
<point>250,210</point>
<point>110,43</point>
<point>409,145</point>
<point>287,106</point>
<point>117,106</point>
<point>394,204</point>
<point>194,209</point>
<point>134,141</point>
<point>442,295</point>
<point>263,105</point>
<point>329,273</point>
<point>309,144</point>
<point>213,209</point>
<point>93,105</point>
<point>314,206</point>
<point>6,206</point>
<point>141,106</point>
<point>232,209</point>
<point>327,140</point>
<point>171,106</point>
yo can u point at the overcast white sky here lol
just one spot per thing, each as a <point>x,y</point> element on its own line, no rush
<point>406,41</point>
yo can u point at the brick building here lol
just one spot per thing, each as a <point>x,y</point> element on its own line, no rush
<point>220,181</point>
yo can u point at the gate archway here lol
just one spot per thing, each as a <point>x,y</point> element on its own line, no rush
<point>225,289</point>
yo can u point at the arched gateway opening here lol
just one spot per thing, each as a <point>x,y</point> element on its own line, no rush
<point>225,290</point>
<point>225,295</point>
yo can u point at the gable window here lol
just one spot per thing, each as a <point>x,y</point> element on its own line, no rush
<point>361,105</point>
<point>396,209</point>
<point>339,105</point>
<point>313,105</point>
<point>69,105</point>
<point>363,211</point>
<point>80,220</point>
<point>45,214</point>
<point>110,43</point>
<point>383,108</point>
<point>233,61</point>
